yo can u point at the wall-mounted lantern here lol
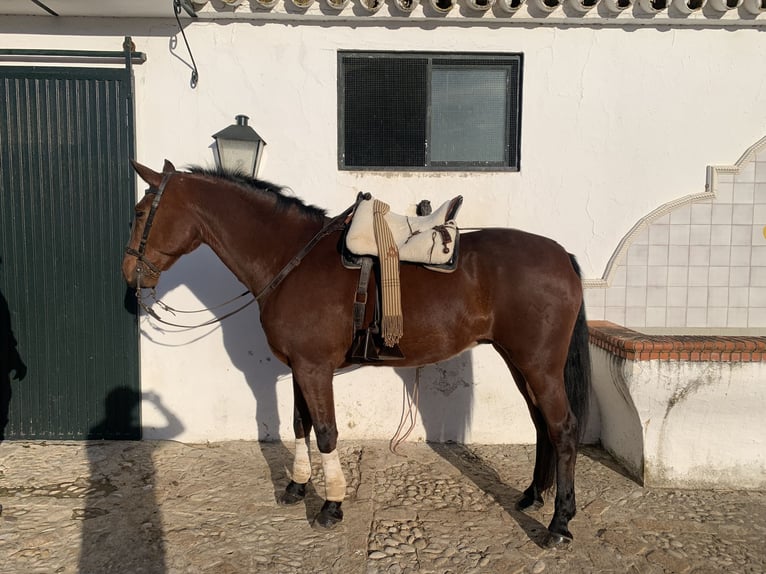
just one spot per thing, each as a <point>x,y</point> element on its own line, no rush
<point>239,147</point>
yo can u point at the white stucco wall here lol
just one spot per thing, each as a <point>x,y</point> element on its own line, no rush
<point>680,423</point>
<point>615,122</point>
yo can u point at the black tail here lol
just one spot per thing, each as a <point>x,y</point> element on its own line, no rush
<point>577,372</point>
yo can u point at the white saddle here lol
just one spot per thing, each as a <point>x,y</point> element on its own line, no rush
<point>429,239</point>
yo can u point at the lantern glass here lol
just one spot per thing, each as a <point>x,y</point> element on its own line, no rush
<point>239,148</point>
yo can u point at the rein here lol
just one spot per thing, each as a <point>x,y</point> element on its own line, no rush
<point>335,224</point>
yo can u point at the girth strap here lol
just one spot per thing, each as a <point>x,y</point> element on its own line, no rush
<point>360,301</point>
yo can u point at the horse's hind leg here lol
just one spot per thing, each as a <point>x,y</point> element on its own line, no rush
<point>545,457</point>
<point>548,393</point>
<point>557,438</point>
<point>296,488</point>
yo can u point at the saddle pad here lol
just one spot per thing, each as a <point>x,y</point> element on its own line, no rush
<point>418,238</point>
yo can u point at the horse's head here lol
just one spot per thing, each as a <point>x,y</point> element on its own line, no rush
<point>162,229</point>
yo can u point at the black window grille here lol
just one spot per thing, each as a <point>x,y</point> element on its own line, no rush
<point>428,111</point>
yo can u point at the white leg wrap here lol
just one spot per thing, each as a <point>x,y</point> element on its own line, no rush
<point>302,461</point>
<point>335,482</point>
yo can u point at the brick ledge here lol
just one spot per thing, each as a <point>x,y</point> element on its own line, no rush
<point>636,346</point>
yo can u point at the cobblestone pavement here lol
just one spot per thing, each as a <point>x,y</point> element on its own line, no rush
<point>165,507</point>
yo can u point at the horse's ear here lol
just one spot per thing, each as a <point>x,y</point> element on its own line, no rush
<point>149,176</point>
<point>168,167</point>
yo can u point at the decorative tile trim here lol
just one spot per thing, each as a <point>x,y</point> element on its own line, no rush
<point>635,346</point>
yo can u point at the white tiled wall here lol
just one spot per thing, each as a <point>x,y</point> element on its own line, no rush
<point>697,263</point>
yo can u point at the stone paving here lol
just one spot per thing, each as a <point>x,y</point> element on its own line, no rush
<point>166,507</point>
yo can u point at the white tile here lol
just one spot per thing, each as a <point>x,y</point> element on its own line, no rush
<point>697,297</point>
<point>656,296</point>
<point>721,213</point>
<point>718,296</point>
<point>618,276</point>
<point>636,275</point>
<point>682,214</point>
<point>663,220</point>
<point>699,255</point>
<point>720,235</point>
<point>716,317</point>
<point>759,234</point>
<point>595,313</point>
<point>595,297</point>
<point>678,254</point>
<point>676,317</point>
<point>739,276</point>
<point>655,316</point>
<point>677,296</point>
<point>615,297</point>
<point>635,317</point>
<point>658,255</point>
<point>679,234</point>
<point>725,177</point>
<point>718,276</point>
<point>740,255</point>
<point>719,254</point>
<point>758,277</point>
<point>756,317</point>
<point>724,192</point>
<point>699,235</point>
<point>757,297</point>
<point>615,315</point>
<point>760,171</point>
<point>696,317</point>
<point>743,193</point>
<point>759,214</point>
<point>741,234</point>
<point>742,214</point>
<point>658,234</point>
<point>759,194</point>
<point>701,212</point>
<point>638,254</point>
<point>698,276</point>
<point>678,275</point>
<point>657,275</point>
<point>746,173</point>
<point>739,296</point>
<point>642,237</point>
<point>635,296</point>
<point>759,256</point>
<point>737,318</point>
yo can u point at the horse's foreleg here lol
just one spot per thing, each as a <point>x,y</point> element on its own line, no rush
<point>296,488</point>
<point>316,388</point>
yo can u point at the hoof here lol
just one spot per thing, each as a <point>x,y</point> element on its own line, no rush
<point>527,502</point>
<point>559,540</point>
<point>294,493</point>
<point>329,516</point>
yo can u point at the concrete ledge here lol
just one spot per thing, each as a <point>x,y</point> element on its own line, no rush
<point>682,410</point>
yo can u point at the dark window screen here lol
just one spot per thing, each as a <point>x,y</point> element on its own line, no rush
<point>429,111</point>
<point>385,104</point>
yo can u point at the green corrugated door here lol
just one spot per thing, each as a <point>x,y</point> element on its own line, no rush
<point>66,198</point>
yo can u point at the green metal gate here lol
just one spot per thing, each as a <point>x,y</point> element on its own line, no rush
<point>66,198</point>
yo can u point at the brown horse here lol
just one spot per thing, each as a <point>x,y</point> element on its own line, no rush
<point>517,291</point>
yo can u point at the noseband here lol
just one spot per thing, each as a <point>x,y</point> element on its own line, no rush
<point>140,253</point>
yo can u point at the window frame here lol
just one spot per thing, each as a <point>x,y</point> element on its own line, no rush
<point>449,60</point>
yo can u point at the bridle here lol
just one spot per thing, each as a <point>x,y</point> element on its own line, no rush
<point>335,224</point>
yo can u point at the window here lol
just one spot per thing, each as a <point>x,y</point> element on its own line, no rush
<point>429,111</point>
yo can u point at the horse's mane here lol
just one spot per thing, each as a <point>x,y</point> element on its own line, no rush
<point>284,202</point>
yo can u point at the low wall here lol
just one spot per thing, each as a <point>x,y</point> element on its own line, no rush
<point>682,410</point>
